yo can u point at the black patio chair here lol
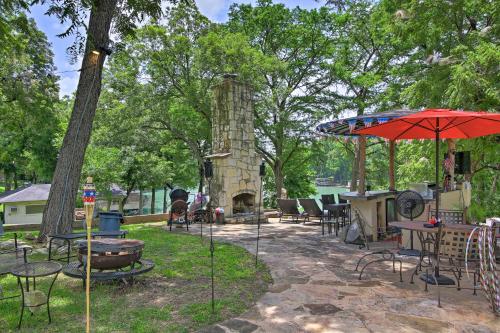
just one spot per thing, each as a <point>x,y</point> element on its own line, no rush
<point>313,212</point>
<point>11,257</point>
<point>289,209</point>
<point>327,199</point>
<point>346,214</point>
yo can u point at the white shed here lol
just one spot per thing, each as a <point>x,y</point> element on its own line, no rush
<point>25,205</point>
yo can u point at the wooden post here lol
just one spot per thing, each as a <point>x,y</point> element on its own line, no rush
<point>88,202</point>
<point>392,179</point>
<point>362,161</point>
<point>451,155</point>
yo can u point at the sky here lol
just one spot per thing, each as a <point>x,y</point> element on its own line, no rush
<point>216,10</point>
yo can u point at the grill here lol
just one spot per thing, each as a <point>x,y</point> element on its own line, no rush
<point>111,253</point>
<point>178,194</point>
<point>179,208</point>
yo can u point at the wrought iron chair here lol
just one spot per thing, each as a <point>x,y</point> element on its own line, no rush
<point>451,257</point>
<point>11,257</point>
<point>381,255</point>
<point>449,216</point>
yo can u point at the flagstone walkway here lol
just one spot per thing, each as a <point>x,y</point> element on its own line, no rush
<point>315,289</point>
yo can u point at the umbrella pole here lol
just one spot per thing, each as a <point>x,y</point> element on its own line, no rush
<point>437,168</point>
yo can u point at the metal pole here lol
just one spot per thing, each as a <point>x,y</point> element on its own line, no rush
<point>437,197</point>
<point>211,249</point>
<point>437,168</point>
<point>262,173</point>
<point>209,175</point>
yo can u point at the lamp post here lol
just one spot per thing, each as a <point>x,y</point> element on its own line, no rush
<point>209,173</point>
<point>262,173</point>
<point>89,203</point>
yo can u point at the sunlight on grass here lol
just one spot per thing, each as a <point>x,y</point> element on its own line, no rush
<point>174,297</point>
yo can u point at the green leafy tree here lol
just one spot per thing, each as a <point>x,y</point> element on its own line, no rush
<point>92,41</point>
<point>28,103</point>
<point>293,80</point>
<point>449,55</point>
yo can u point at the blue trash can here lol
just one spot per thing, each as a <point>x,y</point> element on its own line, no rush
<point>110,221</point>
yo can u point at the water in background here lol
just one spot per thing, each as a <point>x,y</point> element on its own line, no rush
<point>192,192</point>
<point>329,190</point>
<point>159,200</point>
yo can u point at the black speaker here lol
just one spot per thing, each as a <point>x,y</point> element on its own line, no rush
<point>462,162</point>
<point>209,171</point>
<point>262,169</point>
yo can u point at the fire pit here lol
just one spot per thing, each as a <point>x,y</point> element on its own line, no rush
<point>112,259</point>
<point>111,253</point>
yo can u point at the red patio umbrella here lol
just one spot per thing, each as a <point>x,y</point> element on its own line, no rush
<point>437,124</point>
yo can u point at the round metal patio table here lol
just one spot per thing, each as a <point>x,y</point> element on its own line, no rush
<point>32,271</point>
<point>420,229</point>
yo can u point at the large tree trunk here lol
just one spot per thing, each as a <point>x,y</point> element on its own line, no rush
<point>8,185</point>
<point>278,178</point>
<point>59,211</point>
<point>202,177</point>
<point>153,199</point>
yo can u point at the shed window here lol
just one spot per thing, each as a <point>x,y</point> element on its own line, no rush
<point>34,209</point>
<point>13,210</point>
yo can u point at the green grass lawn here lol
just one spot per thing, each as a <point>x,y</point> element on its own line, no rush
<point>174,297</point>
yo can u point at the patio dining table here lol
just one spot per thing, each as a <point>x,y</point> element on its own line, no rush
<point>336,211</point>
<point>430,239</point>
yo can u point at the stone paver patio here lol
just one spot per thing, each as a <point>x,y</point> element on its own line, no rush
<point>316,289</point>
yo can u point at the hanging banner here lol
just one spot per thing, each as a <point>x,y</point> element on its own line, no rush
<point>352,124</point>
<point>368,122</point>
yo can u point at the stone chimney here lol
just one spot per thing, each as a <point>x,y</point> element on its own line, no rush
<point>236,179</point>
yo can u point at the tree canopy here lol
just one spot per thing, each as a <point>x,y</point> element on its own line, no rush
<point>153,112</point>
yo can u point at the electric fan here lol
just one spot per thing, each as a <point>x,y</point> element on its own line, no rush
<point>410,205</point>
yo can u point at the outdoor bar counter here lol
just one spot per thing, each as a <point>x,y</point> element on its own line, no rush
<point>378,208</point>
<point>373,205</point>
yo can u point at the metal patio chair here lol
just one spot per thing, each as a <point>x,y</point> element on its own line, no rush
<point>381,255</point>
<point>452,257</point>
<point>11,257</point>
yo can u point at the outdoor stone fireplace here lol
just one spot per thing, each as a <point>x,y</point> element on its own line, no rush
<point>236,179</point>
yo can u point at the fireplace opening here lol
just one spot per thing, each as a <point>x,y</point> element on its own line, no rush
<point>243,203</point>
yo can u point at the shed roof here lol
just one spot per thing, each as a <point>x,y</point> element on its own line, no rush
<point>35,192</point>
